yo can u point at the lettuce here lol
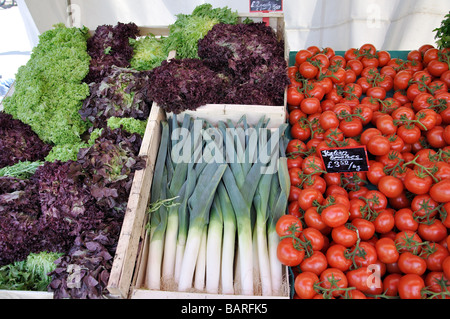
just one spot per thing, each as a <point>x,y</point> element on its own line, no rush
<point>148,52</point>
<point>188,29</point>
<point>49,90</point>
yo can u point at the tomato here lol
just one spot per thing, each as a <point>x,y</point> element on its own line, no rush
<point>288,254</point>
<point>300,131</point>
<point>314,237</point>
<point>355,65</point>
<point>295,146</point>
<point>351,127</point>
<point>446,267</point>
<point>404,220</point>
<point>390,284</point>
<point>294,161</point>
<point>437,256</point>
<point>304,285</point>
<point>316,263</point>
<point>336,257</point>
<point>386,250</point>
<point>383,57</point>
<point>360,279</point>
<point>390,186</point>
<point>410,286</point>
<point>294,96</point>
<point>333,278</point>
<point>308,70</point>
<point>308,197</point>
<point>434,231</point>
<point>366,229</point>
<point>294,193</point>
<point>314,220</point>
<point>344,235</point>
<point>376,92</point>
<point>427,118</point>
<point>287,224</point>
<point>440,192</point>
<point>302,56</point>
<point>436,67</point>
<point>376,199</point>
<point>401,80</point>
<point>368,256</point>
<point>335,215</point>
<point>412,264</point>
<point>433,280</point>
<point>294,209</point>
<point>410,134</point>
<point>384,222</point>
<point>378,145</point>
<point>408,241</point>
<point>295,176</point>
<point>310,105</point>
<point>417,182</point>
<point>313,164</point>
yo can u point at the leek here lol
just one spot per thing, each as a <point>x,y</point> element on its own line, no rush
<point>199,206</point>
<point>158,216</point>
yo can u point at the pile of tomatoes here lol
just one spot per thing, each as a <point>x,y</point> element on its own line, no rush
<point>381,233</point>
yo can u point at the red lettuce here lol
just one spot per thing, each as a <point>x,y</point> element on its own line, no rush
<point>110,46</point>
<point>18,142</point>
<point>123,93</point>
<point>185,84</point>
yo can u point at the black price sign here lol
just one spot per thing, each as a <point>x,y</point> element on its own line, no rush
<point>266,5</point>
<point>345,159</point>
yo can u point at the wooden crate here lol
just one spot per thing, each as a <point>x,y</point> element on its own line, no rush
<point>130,238</point>
<point>234,112</point>
<point>128,273</point>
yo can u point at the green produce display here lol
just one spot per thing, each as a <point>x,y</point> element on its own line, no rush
<point>206,202</point>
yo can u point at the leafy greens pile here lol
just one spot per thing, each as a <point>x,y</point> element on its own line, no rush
<point>49,90</point>
<point>181,84</point>
<point>148,52</point>
<point>109,46</point>
<point>241,63</point>
<point>18,142</point>
<point>122,93</point>
<point>189,28</point>
<point>442,33</point>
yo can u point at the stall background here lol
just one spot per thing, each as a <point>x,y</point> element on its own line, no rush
<point>340,24</point>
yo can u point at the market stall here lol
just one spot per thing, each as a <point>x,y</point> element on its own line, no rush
<point>224,155</point>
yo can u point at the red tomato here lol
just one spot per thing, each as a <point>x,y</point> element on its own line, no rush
<point>335,215</point>
<point>302,56</point>
<point>412,264</point>
<point>316,263</point>
<point>378,145</point>
<point>386,250</point>
<point>344,235</point>
<point>314,237</point>
<point>410,286</point>
<point>304,285</point>
<point>390,186</point>
<point>287,224</point>
<point>308,197</point>
<point>288,254</point>
<point>440,192</point>
<point>333,278</point>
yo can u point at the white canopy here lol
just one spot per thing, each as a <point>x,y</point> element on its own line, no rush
<point>340,24</point>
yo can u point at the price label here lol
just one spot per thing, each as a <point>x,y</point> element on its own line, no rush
<point>345,159</point>
<point>266,5</point>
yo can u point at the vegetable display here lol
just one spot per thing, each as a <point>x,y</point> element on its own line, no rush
<point>240,63</point>
<point>381,233</point>
<point>200,203</point>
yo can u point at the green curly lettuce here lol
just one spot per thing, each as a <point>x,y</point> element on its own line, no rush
<point>148,52</point>
<point>49,91</point>
<point>129,124</point>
